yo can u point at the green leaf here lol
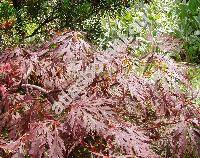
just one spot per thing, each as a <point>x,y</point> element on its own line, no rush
<point>66,2</point>
<point>197,18</point>
<point>197,32</point>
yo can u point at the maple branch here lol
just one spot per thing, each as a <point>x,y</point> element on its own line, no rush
<point>49,97</point>
<point>35,87</point>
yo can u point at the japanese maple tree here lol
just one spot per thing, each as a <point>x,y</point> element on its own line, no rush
<point>131,107</point>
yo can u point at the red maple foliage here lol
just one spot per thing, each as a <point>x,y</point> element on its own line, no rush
<point>130,108</point>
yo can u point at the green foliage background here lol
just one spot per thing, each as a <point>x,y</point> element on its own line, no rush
<point>35,19</point>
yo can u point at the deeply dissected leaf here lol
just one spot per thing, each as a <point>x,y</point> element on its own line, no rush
<point>129,103</point>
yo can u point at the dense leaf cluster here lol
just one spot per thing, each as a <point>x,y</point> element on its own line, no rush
<point>132,107</point>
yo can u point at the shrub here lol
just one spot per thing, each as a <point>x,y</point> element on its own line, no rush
<point>131,107</point>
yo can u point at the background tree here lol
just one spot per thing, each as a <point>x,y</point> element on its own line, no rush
<point>33,17</point>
